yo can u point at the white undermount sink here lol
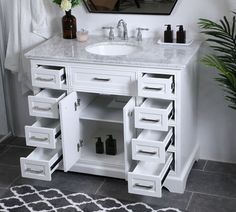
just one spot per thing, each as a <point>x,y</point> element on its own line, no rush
<point>112,48</point>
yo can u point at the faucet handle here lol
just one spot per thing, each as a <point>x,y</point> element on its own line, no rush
<point>139,35</point>
<point>111,33</point>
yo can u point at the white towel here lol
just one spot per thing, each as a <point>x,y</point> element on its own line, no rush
<point>30,23</point>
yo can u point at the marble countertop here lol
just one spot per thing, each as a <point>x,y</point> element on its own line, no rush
<point>151,54</point>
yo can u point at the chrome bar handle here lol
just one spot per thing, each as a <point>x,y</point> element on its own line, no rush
<point>155,89</point>
<point>44,80</point>
<point>150,120</point>
<point>147,152</point>
<point>143,186</point>
<point>34,171</point>
<point>102,79</point>
<point>38,139</point>
<point>42,109</point>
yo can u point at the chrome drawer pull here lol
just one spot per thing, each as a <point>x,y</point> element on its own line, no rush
<point>44,80</point>
<point>155,89</point>
<point>143,186</point>
<point>41,108</point>
<point>34,171</point>
<point>38,139</point>
<point>102,79</point>
<point>150,120</point>
<point>147,152</point>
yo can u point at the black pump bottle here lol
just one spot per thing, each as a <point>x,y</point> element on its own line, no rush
<point>111,145</point>
<point>168,34</point>
<point>181,35</point>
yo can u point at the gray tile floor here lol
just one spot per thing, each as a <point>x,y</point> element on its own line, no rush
<point>211,186</point>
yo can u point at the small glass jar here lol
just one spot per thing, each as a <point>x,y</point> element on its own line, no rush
<point>82,35</point>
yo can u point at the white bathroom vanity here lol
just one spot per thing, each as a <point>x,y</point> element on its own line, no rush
<point>147,99</point>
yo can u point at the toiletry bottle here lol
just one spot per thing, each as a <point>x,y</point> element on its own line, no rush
<point>181,34</point>
<point>111,145</point>
<point>168,34</point>
<point>99,146</point>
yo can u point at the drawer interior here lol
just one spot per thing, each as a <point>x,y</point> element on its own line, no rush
<point>152,135</point>
<point>47,123</point>
<point>55,94</point>
<point>42,154</point>
<point>156,76</point>
<point>153,169</point>
<point>47,67</point>
<point>157,103</point>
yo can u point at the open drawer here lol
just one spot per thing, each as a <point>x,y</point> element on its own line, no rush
<point>154,114</point>
<point>48,77</point>
<point>41,163</point>
<point>156,85</point>
<point>45,103</point>
<point>148,177</point>
<point>43,133</point>
<point>152,145</point>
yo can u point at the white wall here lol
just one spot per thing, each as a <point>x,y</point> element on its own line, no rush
<point>216,121</point>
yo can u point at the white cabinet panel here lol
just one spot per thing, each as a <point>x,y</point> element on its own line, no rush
<point>41,163</point>
<point>148,177</point>
<point>45,103</point>
<point>69,117</point>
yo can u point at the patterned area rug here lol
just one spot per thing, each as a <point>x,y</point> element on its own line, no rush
<point>28,198</point>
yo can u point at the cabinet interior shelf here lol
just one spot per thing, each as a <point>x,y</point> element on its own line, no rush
<point>106,109</point>
<point>88,150</point>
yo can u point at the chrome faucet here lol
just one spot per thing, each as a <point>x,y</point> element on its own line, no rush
<point>123,35</point>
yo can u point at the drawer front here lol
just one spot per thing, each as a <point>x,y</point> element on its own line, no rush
<point>38,165</point>
<point>48,77</point>
<point>100,81</point>
<point>153,119</point>
<point>150,150</point>
<point>141,182</point>
<point>42,106</point>
<point>42,137</point>
<point>156,86</point>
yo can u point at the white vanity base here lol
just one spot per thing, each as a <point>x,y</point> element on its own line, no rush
<point>178,184</point>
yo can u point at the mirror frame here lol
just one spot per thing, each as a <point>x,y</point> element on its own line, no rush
<point>131,13</point>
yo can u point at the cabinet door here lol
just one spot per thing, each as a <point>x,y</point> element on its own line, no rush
<point>69,117</point>
<point>129,132</point>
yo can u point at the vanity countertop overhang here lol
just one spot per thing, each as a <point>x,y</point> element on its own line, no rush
<point>151,54</point>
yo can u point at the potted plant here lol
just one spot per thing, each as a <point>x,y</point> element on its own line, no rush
<point>222,38</point>
<point>68,21</point>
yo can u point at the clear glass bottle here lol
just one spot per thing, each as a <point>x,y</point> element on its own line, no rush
<point>69,26</point>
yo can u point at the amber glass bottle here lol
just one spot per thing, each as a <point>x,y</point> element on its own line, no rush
<point>69,26</point>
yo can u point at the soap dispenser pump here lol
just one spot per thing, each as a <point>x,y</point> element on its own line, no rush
<point>168,34</point>
<point>99,146</point>
<point>111,145</point>
<point>181,34</point>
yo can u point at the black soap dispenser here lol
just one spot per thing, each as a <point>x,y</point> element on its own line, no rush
<point>181,35</point>
<point>168,34</point>
<point>111,145</point>
<point>99,146</point>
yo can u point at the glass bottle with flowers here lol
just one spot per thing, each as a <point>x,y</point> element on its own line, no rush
<point>68,21</point>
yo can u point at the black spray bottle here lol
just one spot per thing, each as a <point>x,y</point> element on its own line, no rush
<point>111,146</point>
<point>181,35</point>
<point>168,34</point>
<point>99,146</point>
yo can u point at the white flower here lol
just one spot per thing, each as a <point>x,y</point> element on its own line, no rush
<point>66,5</point>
